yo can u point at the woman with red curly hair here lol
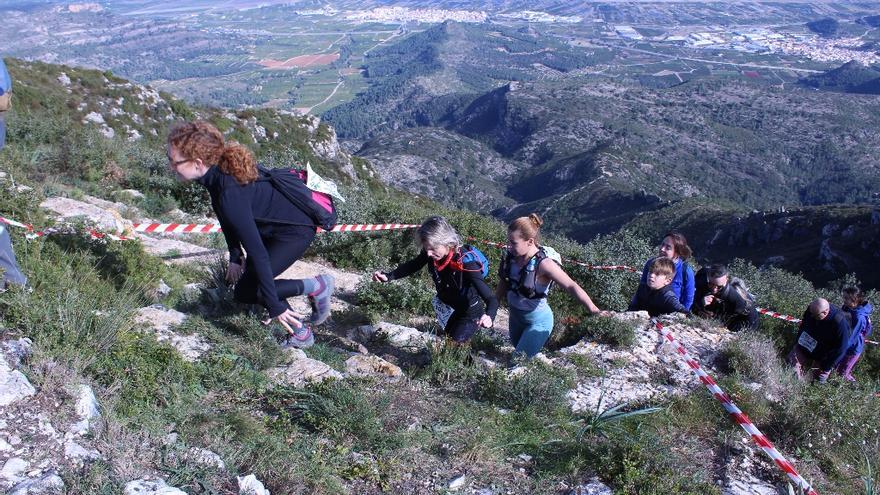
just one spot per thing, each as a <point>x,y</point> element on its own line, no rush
<point>254,216</point>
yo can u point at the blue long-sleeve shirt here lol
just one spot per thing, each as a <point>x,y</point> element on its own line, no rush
<point>827,340</point>
<point>682,282</point>
<point>5,79</point>
<point>238,208</point>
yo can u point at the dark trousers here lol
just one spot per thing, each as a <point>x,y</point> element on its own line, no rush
<point>462,325</point>
<point>285,245</point>
<point>738,323</point>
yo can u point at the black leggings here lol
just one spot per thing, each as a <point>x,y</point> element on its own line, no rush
<point>461,325</point>
<point>285,245</point>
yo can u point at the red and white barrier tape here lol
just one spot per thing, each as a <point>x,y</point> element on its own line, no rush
<point>369,227</point>
<point>32,234</point>
<point>778,316</point>
<point>12,222</point>
<point>193,228</point>
<point>176,228</point>
<point>736,414</point>
<point>501,245</point>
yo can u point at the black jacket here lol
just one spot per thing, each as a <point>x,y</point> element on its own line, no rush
<point>237,208</point>
<point>462,291</point>
<point>656,301</point>
<point>737,312</point>
<point>831,336</point>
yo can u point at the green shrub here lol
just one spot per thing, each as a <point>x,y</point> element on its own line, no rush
<point>154,379</point>
<point>451,366</point>
<point>643,466</point>
<point>600,329</point>
<point>408,296</point>
<point>342,410</point>
<point>539,386</point>
<point>754,357</point>
<point>157,204</point>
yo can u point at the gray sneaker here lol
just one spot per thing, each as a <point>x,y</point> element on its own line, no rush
<point>320,299</point>
<point>301,338</point>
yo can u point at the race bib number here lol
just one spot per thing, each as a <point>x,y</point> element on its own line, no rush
<point>442,311</point>
<point>807,342</point>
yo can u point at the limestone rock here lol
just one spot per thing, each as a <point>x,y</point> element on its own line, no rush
<point>250,485</point>
<point>403,337</point>
<point>18,351</point>
<point>162,290</point>
<point>300,370</point>
<point>48,484</point>
<point>161,320</point>
<point>14,386</point>
<point>151,487</point>
<point>651,369</point>
<point>457,482</point>
<point>350,345</point>
<point>13,469</point>
<point>87,410</point>
<point>592,487</point>
<point>369,365</point>
<point>163,246</point>
<point>67,208</point>
<point>205,457</point>
<point>75,451</point>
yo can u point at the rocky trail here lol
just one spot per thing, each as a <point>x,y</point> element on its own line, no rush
<point>48,416</point>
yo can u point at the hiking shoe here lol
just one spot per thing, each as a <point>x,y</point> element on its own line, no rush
<point>320,299</point>
<point>301,338</point>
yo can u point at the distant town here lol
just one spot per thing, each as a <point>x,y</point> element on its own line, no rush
<point>759,40</point>
<point>753,40</point>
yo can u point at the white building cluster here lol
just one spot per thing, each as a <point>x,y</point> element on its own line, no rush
<point>761,40</point>
<point>535,16</point>
<point>403,14</point>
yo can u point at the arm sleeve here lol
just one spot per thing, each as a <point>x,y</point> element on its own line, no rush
<point>239,217</point>
<point>673,305</point>
<point>410,267</point>
<point>699,307</point>
<point>835,355</point>
<point>741,306</point>
<point>486,294</point>
<point>642,281</point>
<point>634,303</point>
<point>687,287</point>
<point>233,243</point>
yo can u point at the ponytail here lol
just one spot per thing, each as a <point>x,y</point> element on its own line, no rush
<point>528,227</point>
<point>202,140</point>
<point>239,162</point>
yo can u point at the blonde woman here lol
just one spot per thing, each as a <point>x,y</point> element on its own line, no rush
<point>458,272</point>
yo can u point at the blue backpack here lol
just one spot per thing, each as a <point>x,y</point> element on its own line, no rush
<point>471,254</point>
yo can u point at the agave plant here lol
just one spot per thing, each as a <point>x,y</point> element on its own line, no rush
<point>601,421</point>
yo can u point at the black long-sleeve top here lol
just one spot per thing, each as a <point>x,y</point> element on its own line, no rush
<point>728,304</point>
<point>461,290</point>
<point>238,208</point>
<point>830,338</point>
<point>656,301</point>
